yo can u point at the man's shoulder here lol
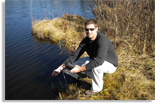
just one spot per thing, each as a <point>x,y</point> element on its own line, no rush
<point>84,41</point>
<point>101,36</point>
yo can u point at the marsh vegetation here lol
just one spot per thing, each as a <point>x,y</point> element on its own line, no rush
<point>129,24</point>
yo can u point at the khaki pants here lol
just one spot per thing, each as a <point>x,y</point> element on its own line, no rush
<point>96,73</point>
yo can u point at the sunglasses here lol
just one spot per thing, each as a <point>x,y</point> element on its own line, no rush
<point>91,29</point>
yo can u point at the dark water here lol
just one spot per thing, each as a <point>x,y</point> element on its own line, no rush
<point>29,62</point>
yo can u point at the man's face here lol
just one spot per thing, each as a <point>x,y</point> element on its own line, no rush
<point>91,31</point>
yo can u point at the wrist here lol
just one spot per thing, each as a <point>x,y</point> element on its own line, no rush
<point>58,70</point>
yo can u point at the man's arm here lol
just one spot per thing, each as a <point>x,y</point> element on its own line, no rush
<point>79,51</point>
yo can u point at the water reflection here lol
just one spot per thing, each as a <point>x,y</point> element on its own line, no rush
<point>55,8</point>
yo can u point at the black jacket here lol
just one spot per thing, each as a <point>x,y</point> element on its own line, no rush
<point>99,50</point>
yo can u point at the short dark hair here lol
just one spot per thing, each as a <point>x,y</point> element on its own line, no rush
<point>91,21</point>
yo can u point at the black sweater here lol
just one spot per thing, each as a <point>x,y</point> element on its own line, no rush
<point>99,50</point>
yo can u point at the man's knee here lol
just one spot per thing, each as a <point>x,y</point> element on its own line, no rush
<point>82,61</point>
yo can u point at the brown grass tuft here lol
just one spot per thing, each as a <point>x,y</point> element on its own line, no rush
<point>69,29</point>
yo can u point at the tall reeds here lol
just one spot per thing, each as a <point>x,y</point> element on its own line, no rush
<point>130,26</point>
<point>131,20</point>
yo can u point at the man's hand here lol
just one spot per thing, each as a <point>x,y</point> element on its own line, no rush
<point>76,69</point>
<point>56,72</point>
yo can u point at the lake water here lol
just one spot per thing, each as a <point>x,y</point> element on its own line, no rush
<point>28,61</point>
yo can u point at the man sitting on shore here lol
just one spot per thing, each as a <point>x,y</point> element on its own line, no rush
<point>102,57</point>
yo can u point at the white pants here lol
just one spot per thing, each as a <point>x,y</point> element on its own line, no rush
<point>96,73</point>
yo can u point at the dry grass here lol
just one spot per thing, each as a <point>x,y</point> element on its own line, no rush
<point>129,25</point>
<point>68,30</point>
<point>131,20</point>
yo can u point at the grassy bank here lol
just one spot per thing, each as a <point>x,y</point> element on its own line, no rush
<point>68,30</point>
<point>129,25</point>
